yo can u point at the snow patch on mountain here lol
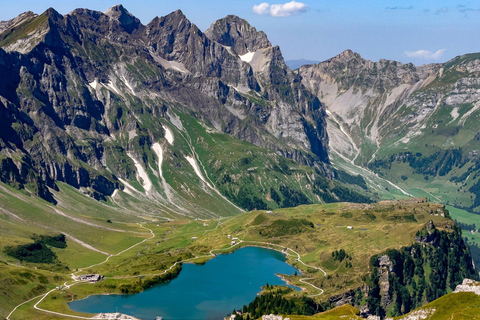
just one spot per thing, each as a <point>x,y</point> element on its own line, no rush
<point>111,87</point>
<point>128,187</point>
<point>157,148</point>
<point>142,174</point>
<point>196,168</point>
<point>94,84</point>
<point>125,81</point>
<point>168,135</point>
<point>247,57</point>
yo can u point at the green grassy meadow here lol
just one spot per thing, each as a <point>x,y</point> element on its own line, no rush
<point>312,231</point>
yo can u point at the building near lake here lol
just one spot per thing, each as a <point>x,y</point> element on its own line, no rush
<point>91,277</point>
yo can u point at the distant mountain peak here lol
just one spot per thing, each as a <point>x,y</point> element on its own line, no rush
<point>4,25</point>
<point>237,33</point>
<point>178,12</point>
<point>116,8</point>
<point>128,21</point>
<point>174,19</point>
<point>348,55</point>
<point>53,14</point>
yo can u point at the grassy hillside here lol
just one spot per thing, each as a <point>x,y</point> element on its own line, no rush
<point>315,232</point>
<point>461,306</point>
<point>89,239</point>
<point>346,312</point>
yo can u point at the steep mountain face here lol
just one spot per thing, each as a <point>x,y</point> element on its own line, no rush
<point>297,115</point>
<point>415,126</point>
<point>362,95</point>
<point>237,34</point>
<point>100,101</point>
<point>404,279</point>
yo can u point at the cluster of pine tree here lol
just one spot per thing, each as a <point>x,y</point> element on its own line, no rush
<point>440,163</point>
<point>276,303</point>
<point>39,251</point>
<point>423,272</point>
<point>340,255</point>
<point>466,226</point>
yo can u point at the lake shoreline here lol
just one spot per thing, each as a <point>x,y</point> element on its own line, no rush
<point>247,282</point>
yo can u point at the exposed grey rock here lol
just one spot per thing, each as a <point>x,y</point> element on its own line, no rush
<point>238,34</point>
<point>4,25</point>
<point>358,91</point>
<point>428,235</point>
<point>126,19</point>
<point>385,268</point>
<point>341,299</point>
<point>88,77</point>
<point>468,285</point>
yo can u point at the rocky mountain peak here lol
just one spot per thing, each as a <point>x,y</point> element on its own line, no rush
<point>238,34</point>
<point>348,55</point>
<point>128,21</point>
<point>53,14</point>
<point>175,38</point>
<point>4,25</point>
<point>175,21</point>
<point>91,74</point>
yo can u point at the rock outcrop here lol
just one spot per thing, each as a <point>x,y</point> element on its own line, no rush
<point>428,234</point>
<point>468,285</point>
<point>237,34</point>
<point>385,268</point>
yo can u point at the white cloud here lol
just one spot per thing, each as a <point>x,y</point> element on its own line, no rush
<point>426,54</point>
<point>280,10</point>
<point>261,9</point>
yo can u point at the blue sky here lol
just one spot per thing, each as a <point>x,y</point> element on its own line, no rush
<point>420,31</point>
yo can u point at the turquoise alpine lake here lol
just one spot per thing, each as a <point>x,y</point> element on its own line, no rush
<point>209,291</point>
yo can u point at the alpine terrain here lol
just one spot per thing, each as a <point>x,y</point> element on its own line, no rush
<point>128,150</point>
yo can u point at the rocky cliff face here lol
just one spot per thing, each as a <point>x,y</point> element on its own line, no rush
<point>401,120</point>
<point>82,97</point>
<point>297,115</point>
<point>237,34</point>
<point>413,276</point>
<point>362,96</point>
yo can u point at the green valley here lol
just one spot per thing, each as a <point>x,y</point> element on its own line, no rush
<point>308,235</point>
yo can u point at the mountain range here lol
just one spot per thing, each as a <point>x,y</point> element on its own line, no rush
<point>104,118</point>
<point>101,102</point>
<point>415,126</point>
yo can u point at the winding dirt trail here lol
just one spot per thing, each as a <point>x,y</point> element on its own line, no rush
<point>211,254</point>
<point>76,281</point>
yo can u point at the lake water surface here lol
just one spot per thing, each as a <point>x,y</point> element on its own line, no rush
<point>208,291</point>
